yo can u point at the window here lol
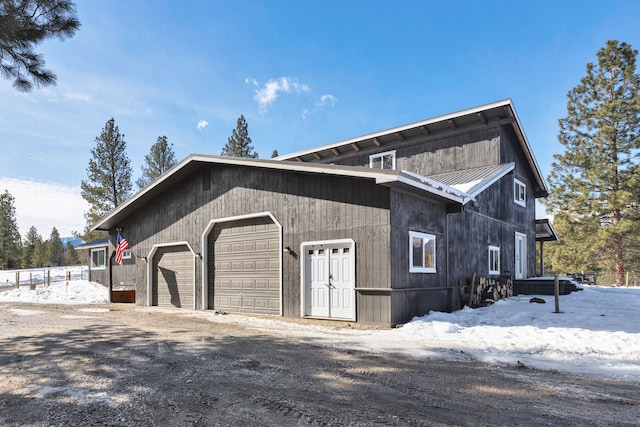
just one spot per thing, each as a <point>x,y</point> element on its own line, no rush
<point>98,259</point>
<point>422,252</point>
<point>519,192</point>
<point>126,254</point>
<point>386,160</point>
<point>494,260</point>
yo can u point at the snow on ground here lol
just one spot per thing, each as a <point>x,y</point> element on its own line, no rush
<point>597,332</point>
<point>71,292</point>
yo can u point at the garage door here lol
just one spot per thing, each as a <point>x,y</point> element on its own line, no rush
<point>244,266</point>
<point>173,277</point>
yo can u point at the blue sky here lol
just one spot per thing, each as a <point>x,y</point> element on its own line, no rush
<point>303,74</point>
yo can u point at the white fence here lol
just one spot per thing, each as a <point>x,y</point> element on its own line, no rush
<point>43,276</point>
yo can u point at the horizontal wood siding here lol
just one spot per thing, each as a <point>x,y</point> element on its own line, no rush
<point>310,207</point>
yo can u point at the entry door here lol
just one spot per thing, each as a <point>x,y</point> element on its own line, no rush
<point>521,256</point>
<point>329,281</point>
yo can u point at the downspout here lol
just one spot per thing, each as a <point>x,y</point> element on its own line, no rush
<point>447,262</point>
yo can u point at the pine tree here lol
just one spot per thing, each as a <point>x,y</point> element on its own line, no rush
<point>595,182</point>
<point>23,25</point>
<point>10,243</point>
<point>109,174</point>
<point>274,154</point>
<point>71,256</point>
<point>160,159</point>
<point>29,246</point>
<point>239,143</point>
<point>39,254</point>
<point>55,250</point>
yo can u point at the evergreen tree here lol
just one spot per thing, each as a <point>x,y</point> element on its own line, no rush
<point>55,250</point>
<point>109,174</point>
<point>158,161</point>
<point>239,143</point>
<point>595,182</point>
<point>71,256</point>
<point>274,154</point>
<point>10,243</point>
<point>39,254</point>
<point>29,246</point>
<point>23,25</point>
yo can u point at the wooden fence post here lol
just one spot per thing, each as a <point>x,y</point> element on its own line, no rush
<point>556,291</point>
<point>17,279</point>
<point>626,281</point>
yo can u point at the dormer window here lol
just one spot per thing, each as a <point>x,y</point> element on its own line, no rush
<point>519,192</point>
<point>386,160</point>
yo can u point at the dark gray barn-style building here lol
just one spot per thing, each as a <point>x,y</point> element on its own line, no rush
<point>375,229</point>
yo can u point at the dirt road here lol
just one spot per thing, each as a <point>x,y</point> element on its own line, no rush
<point>136,366</point>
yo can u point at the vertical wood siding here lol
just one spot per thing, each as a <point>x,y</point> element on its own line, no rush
<point>309,207</point>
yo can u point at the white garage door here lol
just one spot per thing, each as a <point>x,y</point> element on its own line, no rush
<point>244,266</point>
<point>173,277</point>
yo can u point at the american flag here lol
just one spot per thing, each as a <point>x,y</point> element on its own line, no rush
<point>122,246</point>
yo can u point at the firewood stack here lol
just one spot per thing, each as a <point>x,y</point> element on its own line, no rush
<point>485,291</point>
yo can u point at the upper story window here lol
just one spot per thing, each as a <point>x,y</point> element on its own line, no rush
<point>98,259</point>
<point>519,192</point>
<point>422,252</point>
<point>494,260</point>
<point>386,160</point>
<point>126,254</point>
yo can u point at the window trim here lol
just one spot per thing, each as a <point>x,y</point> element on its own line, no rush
<point>391,153</point>
<point>126,254</point>
<point>517,184</point>
<point>425,237</point>
<point>492,250</point>
<point>104,259</point>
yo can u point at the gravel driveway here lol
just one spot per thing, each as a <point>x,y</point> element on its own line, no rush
<point>127,365</point>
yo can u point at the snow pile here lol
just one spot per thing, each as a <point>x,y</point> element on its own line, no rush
<point>75,292</point>
<point>596,332</point>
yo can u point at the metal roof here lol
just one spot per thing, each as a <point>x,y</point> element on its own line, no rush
<point>474,181</point>
<point>99,243</point>
<point>545,231</point>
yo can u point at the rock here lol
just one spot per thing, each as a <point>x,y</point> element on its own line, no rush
<point>537,300</point>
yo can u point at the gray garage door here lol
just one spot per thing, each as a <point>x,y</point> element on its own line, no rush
<point>173,277</point>
<point>244,266</point>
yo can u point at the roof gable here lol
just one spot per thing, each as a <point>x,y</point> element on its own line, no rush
<point>406,181</point>
<point>502,112</point>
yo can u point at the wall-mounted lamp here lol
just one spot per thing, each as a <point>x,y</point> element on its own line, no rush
<point>288,250</point>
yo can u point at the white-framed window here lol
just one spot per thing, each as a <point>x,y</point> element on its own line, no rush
<point>386,160</point>
<point>494,260</point>
<point>98,258</point>
<point>519,192</point>
<point>422,252</point>
<point>126,254</point>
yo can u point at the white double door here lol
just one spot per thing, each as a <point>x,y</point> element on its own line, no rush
<point>329,282</point>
